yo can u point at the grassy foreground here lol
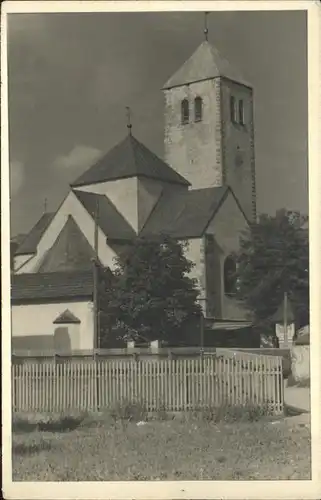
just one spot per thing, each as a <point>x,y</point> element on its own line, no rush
<point>169,449</point>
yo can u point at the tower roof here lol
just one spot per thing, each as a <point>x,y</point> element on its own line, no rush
<point>204,64</point>
<point>130,158</point>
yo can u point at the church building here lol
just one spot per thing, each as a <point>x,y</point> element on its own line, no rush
<point>202,191</point>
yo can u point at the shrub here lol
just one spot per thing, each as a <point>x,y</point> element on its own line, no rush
<point>232,413</point>
<point>22,424</point>
<point>60,422</point>
<point>286,365</point>
<point>300,383</point>
<point>23,449</point>
<point>129,411</point>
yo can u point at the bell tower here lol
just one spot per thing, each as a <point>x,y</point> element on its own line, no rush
<point>209,129</point>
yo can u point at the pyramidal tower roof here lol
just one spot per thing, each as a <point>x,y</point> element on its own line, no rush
<point>129,158</point>
<point>204,64</point>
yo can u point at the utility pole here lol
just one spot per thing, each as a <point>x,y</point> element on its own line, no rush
<point>95,272</point>
<point>202,326</point>
<point>285,319</point>
<point>96,302</point>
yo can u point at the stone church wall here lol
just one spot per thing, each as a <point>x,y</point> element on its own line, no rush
<point>194,149</point>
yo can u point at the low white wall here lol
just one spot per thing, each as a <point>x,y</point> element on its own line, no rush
<point>37,320</point>
<point>300,362</point>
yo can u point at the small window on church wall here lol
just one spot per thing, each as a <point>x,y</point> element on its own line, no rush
<point>241,112</point>
<point>198,109</point>
<point>233,109</point>
<point>185,111</point>
<point>230,276</point>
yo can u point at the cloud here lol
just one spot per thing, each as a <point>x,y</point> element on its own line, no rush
<point>79,158</point>
<point>17,176</point>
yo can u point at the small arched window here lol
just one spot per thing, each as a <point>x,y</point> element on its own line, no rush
<point>230,275</point>
<point>233,109</point>
<point>241,112</point>
<point>198,109</point>
<point>185,111</point>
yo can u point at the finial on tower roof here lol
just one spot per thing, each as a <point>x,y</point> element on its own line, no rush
<point>45,206</point>
<point>129,123</point>
<point>205,25</point>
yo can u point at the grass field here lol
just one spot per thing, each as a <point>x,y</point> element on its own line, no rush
<point>170,449</point>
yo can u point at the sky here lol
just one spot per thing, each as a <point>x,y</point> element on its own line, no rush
<point>71,77</point>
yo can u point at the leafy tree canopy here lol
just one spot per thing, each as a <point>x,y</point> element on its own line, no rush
<point>151,296</point>
<point>273,259</point>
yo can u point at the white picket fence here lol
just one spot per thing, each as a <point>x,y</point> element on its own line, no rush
<point>228,377</point>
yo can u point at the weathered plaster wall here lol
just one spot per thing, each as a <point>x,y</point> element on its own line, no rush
<point>149,192</point>
<point>123,193</point>
<point>37,320</point>
<point>20,260</point>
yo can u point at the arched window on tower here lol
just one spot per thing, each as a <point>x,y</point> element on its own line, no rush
<point>230,276</point>
<point>233,109</point>
<point>198,109</point>
<point>185,111</point>
<point>241,112</point>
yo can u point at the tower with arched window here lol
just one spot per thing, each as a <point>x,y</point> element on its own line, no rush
<point>209,130</point>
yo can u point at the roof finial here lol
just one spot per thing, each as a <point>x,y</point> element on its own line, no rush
<point>205,25</point>
<point>129,123</point>
<point>45,206</point>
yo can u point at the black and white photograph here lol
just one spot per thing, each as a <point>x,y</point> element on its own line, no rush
<point>156,166</point>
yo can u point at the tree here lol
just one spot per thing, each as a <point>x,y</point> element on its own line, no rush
<point>151,296</point>
<point>273,259</point>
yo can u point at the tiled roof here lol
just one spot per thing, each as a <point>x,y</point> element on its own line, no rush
<point>110,221</point>
<point>185,215</point>
<point>70,252</point>
<point>49,286</point>
<point>67,317</point>
<point>129,158</point>
<point>204,64</point>
<point>30,242</point>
